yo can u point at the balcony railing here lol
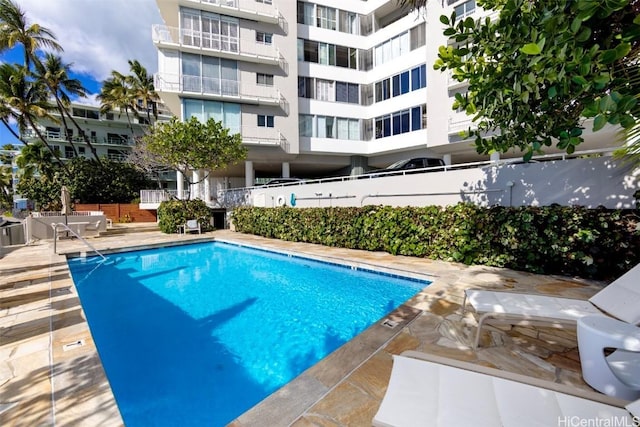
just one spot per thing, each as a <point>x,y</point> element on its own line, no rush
<point>262,10</point>
<point>58,136</point>
<point>223,88</point>
<point>247,50</point>
<point>158,196</point>
<point>252,135</point>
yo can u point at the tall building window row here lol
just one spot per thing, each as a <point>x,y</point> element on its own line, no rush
<point>328,17</point>
<point>328,90</point>
<point>401,83</point>
<point>402,121</point>
<point>226,112</point>
<point>465,9</point>
<point>209,30</point>
<point>329,127</point>
<point>205,74</point>
<point>327,54</point>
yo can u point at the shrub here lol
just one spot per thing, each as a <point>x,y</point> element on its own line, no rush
<point>593,243</point>
<point>174,213</point>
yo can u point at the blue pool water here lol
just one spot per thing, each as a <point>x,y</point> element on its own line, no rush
<point>195,335</point>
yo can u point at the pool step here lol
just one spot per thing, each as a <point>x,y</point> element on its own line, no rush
<point>130,228</point>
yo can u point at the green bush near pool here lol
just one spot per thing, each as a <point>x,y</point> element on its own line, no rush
<point>593,243</point>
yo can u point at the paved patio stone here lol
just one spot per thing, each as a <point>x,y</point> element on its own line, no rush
<point>40,312</point>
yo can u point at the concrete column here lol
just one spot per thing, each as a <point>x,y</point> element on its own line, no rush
<point>358,165</point>
<point>495,157</point>
<point>286,173</point>
<point>207,189</point>
<point>248,173</point>
<point>447,159</point>
<point>195,187</point>
<point>179,184</point>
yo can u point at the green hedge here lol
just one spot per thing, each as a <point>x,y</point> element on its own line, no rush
<point>174,213</point>
<point>593,243</point>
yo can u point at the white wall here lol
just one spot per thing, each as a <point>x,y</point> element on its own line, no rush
<point>588,182</point>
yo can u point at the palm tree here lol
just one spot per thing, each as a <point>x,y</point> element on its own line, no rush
<point>15,29</point>
<point>55,76</point>
<point>24,100</point>
<point>35,158</point>
<point>142,88</point>
<point>116,94</point>
<point>412,4</point>
<point>6,187</point>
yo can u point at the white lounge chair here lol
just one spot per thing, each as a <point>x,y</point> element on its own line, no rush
<point>427,390</point>
<point>192,225</point>
<point>618,373</point>
<point>620,299</point>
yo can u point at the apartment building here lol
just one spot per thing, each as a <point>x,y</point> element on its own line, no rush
<point>316,88</point>
<point>112,134</point>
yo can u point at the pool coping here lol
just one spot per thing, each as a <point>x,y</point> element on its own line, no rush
<point>288,403</point>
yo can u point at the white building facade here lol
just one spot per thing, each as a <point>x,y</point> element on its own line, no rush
<point>316,88</point>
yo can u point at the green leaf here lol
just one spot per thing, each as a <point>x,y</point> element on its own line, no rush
<point>627,121</point>
<point>444,19</point>
<point>531,49</point>
<point>575,25</point>
<point>599,122</point>
<point>579,80</point>
<point>552,92</point>
<point>584,35</point>
<point>609,56</point>
<point>449,32</point>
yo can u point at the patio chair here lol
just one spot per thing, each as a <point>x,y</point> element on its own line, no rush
<point>192,225</point>
<point>428,390</point>
<point>617,373</point>
<point>620,299</point>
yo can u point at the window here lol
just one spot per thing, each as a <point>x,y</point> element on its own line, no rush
<point>383,90</point>
<point>305,13</point>
<point>264,1</point>
<point>466,8</point>
<point>348,22</point>
<point>347,92</point>
<point>325,127</point>
<point>326,17</point>
<point>68,152</point>
<point>348,129</point>
<point>265,121</point>
<point>418,36</point>
<point>264,79</point>
<point>225,112</point>
<point>190,27</point>
<point>310,51</point>
<point>325,90</point>
<point>264,38</point>
<point>326,54</point>
<point>81,150</point>
<point>305,125</point>
<point>400,122</point>
<point>419,77</point>
<point>346,57</point>
<point>392,49</point>
<point>305,87</point>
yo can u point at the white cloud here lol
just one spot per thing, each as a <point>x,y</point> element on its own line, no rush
<point>99,36</point>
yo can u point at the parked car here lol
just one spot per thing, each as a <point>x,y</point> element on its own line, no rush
<point>283,181</point>
<point>409,165</point>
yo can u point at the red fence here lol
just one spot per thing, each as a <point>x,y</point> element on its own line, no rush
<point>118,212</point>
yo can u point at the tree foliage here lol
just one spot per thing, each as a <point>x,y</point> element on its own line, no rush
<point>193,145</point>
<point>536,73</point>
<point>115,182</point>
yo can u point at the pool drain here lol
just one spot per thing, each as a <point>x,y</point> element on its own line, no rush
<point>389,323</point>
<point>72,345</point>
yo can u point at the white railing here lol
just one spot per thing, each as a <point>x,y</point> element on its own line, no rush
<point>168,82</point>
<point>158,196</point>
<point>58,213</point>
<point>260,52</point>
<point>247,8</point>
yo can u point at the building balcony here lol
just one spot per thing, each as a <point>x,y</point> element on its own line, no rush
<point>264,136</point>
<point>222,46</point>
<point>220,90</point>
<point>454,83</point>
<point>261,11</point>
<point>58,137</point>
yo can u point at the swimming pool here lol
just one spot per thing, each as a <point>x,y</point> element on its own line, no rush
<point>198,334</point>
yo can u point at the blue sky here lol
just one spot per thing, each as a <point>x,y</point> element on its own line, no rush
<point>97,36</point>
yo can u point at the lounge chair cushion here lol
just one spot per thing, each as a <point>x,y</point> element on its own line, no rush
<point>530,306</point>
<point>424,393</point>
<point>621,299</point>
